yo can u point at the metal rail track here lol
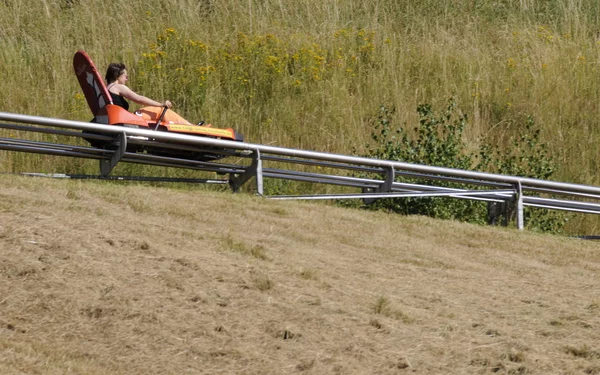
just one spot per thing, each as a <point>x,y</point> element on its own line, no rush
<point>372,178</point>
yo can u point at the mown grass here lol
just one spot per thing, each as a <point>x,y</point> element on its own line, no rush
<point>312,74</point>
<point>152,293</point>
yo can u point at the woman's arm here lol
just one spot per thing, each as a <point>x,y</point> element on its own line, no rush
<point>140,99</point>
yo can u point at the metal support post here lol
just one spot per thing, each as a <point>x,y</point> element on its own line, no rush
<point>107,165</point>
<point>390,175</point>
<point>253,170</point>
<point>259,174</point>
<point>520,219</point>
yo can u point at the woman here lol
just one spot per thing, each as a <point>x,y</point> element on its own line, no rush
<point>116,79</point>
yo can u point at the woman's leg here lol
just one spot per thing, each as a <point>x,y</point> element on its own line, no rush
<point>151,114</point>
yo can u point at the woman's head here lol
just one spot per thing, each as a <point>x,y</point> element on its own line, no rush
<point>114,71</point>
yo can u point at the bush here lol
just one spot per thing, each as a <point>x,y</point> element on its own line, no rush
<point>438,141</point>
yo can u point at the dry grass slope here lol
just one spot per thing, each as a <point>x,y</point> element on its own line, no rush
<point>101,278</point>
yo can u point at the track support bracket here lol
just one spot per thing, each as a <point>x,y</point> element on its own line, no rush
<point>107,165</point>
<point>253,170</point>
<point>510,209</point>
<point>386,187</point>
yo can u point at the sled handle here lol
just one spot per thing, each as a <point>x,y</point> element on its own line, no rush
<point>162,115</point>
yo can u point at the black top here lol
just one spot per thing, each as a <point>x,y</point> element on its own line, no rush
<point>119,100</point>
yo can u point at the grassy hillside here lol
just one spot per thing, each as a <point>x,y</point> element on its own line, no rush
<point>312,74</point>
<point>102,278</point>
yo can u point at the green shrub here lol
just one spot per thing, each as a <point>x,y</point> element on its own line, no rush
<point>438,140</point>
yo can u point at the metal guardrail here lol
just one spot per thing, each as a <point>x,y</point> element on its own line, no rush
<point>510,192</point>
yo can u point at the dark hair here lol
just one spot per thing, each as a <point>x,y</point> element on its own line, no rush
<point>114,71</point>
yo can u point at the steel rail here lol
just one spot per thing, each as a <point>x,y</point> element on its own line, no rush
<point>389,195</point>
<point>377,178</point>
<point>264,149</point>
<point>127,178</point>
<point>322,164</point>
<point>381,170</point>
<point>180,147</point>
<point>48,145</point>
<point>164,161</point>
<point>49,151</point>
<point>51,131</point>
<point>373,184</point>
<point>561,208</point>
<point>274,173</point>
<point>561,203</point>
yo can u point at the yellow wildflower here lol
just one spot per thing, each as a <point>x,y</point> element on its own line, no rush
<point>511,63</point>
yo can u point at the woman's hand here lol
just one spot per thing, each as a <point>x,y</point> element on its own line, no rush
<point>167,104</point>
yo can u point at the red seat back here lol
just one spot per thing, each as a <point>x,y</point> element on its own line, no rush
<point>91,83</point>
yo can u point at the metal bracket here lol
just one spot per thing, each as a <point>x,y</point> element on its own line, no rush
<point>107,165</point>
<point>390,175</point>
<point>253,170</point>
<point>509,209</point>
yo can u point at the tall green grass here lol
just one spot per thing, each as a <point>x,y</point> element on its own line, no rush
<point>311,73</point>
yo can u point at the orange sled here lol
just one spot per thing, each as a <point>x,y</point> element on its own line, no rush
<point>105,112</point>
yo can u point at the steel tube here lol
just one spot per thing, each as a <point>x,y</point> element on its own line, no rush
<point>294,156</point>
<point>385,195</point>
<point>187,139</point>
